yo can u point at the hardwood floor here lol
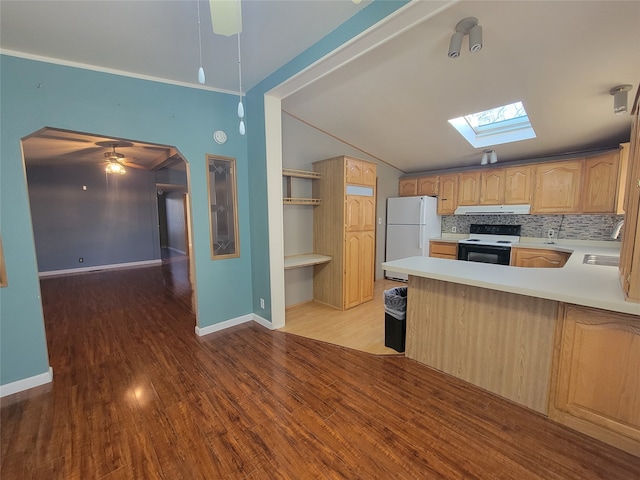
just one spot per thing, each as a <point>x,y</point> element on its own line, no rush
<point>361,327</point>
<point>137,395</point>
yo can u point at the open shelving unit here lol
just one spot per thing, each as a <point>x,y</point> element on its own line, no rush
<point>290,174</point>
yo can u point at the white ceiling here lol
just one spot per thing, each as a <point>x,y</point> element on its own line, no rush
<point>560,58</point>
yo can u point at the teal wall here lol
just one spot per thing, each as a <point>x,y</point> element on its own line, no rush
<point>364,19</point>
<point>37,94</point>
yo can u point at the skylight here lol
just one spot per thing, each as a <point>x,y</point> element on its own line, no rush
<point>505,124</point>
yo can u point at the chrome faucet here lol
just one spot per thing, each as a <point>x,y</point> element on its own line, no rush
<point>616,230</point>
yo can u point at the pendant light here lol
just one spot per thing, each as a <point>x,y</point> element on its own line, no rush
<point>241,128</point>
<point>201,78</point>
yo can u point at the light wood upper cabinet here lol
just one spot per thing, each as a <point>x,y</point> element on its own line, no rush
<point>448,196</point>
<point>600,183</point>
<point>492,187</point>
<point>360,172</point>
<point>408,187</point>
<point>597,388</point>
<point>557,187</point>
<point>630,248</point>
<point>517,185</point>
<point>468,188</point>
<point>428,186</point>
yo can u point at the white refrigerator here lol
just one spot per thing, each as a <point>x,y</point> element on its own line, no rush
<point>411,222</point>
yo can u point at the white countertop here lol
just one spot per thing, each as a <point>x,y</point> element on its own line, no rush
<point>595,286</point>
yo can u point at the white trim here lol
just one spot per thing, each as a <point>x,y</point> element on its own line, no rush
<point>95,268</point>
<point>26,383</point>
<point>273,135</point>
<point>201,332</point>
<point>121,73</point>
<point>263,321</point>
<point>216,327</point>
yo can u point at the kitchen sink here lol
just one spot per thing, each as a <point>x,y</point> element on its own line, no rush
<point>607,260</point>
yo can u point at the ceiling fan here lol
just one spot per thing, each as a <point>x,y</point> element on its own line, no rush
<point>116,161</point>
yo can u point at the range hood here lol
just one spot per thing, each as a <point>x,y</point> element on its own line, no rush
<point>494,210</point>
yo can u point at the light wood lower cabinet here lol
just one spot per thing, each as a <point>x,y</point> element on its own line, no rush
<point>359,266</point>
<point>596,375</point>
<point>447,250</point>
<point>538,258</point>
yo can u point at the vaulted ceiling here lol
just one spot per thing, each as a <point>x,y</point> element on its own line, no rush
<point>559,58</point>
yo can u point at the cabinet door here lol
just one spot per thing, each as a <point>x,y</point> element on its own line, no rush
<point>360,172</point>
<point>537,258</point>
<point>557,187</point>
<point>407,187</point>
<point>492,187</point>
<point>598,379</point>
<point>469,188</point>
<point>368,246</point>
<point>354,213</point>
<point>368,220</point>
<point>448,194</point>
<point>517,185</point>
<point>353,259</point>
<point>428,186</point>
<point>443,250</point>
<point>600,183</point>
<point>360,213</point>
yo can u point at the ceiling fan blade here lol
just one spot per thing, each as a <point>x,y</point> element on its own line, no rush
<point>128,162</point>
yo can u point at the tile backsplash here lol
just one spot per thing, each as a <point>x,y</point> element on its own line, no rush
<point>574,227</point>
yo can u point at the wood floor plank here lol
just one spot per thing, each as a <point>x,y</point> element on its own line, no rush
<point>137,395</point>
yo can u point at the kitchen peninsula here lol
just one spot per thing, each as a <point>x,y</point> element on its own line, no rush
<point>561,341</point>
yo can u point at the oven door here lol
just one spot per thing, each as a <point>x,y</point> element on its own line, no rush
<point>484,253</point>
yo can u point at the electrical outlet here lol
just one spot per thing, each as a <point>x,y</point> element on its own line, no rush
<point>550,233</point>
<point>454,229</point>
<point>262,303</point>
<point>80,260</point>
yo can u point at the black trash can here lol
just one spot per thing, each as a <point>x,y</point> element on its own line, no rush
<point>395,318</point>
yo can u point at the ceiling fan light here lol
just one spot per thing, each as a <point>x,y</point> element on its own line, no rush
<point>240,109</point>
<point>201,78</point>
<point>115,167</point>
<point>242,128</point>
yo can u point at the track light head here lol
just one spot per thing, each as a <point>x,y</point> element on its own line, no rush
<point>455,45</point>
<point>620,98</point>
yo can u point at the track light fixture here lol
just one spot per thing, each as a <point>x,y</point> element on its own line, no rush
<point>620,98</point>
<point>489,156</point>
<point>466,26</point>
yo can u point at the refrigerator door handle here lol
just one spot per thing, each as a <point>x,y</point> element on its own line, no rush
<point>421,224</point>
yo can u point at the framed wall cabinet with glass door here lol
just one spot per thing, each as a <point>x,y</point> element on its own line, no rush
<point>223,207</point>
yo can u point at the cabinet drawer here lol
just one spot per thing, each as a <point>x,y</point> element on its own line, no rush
<point>443,250</point>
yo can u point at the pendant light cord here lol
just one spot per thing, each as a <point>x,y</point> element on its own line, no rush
<point>199,37</point>
<point>238,13</point>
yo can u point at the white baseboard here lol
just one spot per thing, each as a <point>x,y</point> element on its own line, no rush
<point>26,383</point>
<point>70,271</point>
<point>232,323</point>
